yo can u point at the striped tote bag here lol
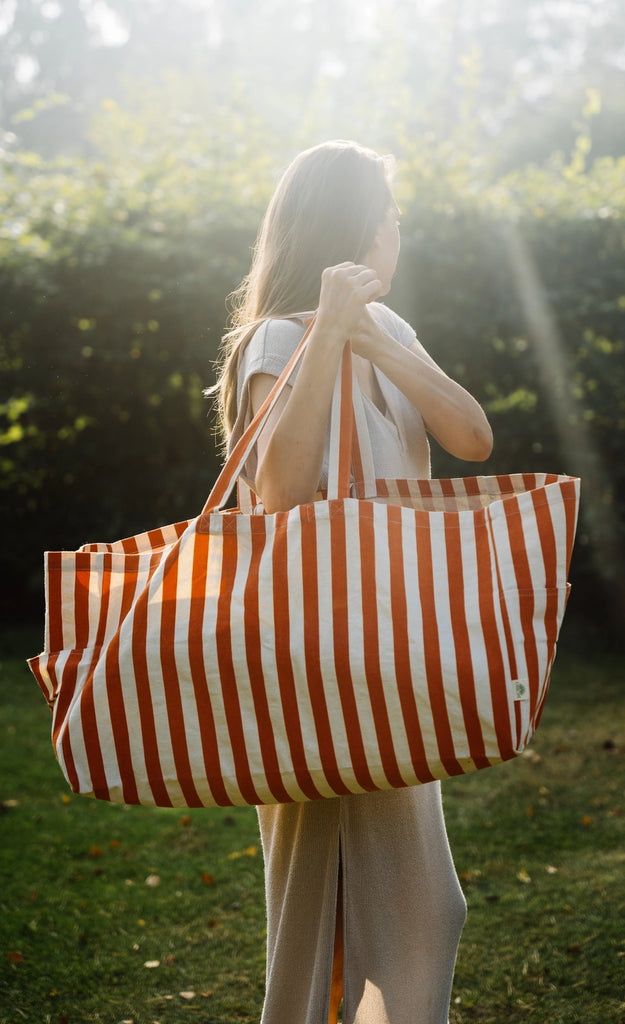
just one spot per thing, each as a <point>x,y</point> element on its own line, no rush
<point>391,633</point>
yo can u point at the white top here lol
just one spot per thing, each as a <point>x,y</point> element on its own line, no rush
<point>398,438</point>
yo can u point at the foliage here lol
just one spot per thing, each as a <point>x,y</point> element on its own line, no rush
<point>112,289</point>
<point>518,292</point>
<point>111,913</point>
<point>518,69</point>
<point>114,272</point>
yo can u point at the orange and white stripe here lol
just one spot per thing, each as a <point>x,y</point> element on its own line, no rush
<point>349,645</point>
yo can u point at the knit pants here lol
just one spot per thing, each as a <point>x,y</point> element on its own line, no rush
<point>403,909</point>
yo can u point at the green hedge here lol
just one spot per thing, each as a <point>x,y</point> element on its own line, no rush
<point>113,280</point>
<point>528,312</point>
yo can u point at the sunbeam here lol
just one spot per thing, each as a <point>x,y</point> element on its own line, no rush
<point>582,456</point>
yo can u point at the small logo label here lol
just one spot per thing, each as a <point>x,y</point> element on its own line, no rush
<point>520,691</point>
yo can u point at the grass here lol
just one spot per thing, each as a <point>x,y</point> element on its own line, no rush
<point>539,845</point>
<point>92,894</point>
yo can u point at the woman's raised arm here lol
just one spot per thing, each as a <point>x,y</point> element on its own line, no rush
<point>451,415</point>
<point>290,449</point>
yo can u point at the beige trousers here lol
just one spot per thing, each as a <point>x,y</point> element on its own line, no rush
<point>403,909</point>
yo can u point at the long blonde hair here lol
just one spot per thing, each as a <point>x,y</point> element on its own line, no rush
<point>326,210</point>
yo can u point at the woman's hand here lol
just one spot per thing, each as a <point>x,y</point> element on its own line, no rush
<point>290,448</point>
<point>346,291</point>
<point>370,340</point>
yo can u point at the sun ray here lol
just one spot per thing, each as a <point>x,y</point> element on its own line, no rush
<point>581,455</point>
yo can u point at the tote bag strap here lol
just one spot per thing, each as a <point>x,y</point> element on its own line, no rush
<point>362,455</point>
<point>345,443</point>
<point>342,434</point>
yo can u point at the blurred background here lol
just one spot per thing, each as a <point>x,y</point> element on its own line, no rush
<point>139,143</point>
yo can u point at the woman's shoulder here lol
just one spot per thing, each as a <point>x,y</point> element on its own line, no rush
<point>270,346</point>
<point>276,334</point>
<point>393,323</point>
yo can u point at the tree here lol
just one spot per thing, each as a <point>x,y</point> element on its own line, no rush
<point>511,74</point>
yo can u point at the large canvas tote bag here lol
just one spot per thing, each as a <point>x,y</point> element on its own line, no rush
<point>351,644</point>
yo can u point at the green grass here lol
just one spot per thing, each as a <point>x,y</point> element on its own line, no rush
<point>539,844</point>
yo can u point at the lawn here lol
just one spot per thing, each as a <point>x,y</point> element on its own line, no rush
<point>111,914</point>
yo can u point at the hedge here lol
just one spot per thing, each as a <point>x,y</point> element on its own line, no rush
<point>113,279</point>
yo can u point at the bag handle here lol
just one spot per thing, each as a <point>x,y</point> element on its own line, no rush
<point>348,435</point>
<point>362,454</point>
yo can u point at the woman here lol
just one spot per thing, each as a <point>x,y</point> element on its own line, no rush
<point>363,902</point>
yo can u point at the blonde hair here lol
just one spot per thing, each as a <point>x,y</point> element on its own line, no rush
<point>327,209</point>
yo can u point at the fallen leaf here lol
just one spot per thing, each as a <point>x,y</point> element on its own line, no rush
<point>551,870</point>
<point>471,875</point>
<point>207,879</point>
<point>586,820</point>
<point>96,852</point>
<point>115,844</point>
<point>152,963</point>
<point>185,820</point>
<point>187,995</point>
<point>66,799</point>
<point>251,851</point>
<point>15,957</point>
<point>153,881</point>
<point>523,877</point>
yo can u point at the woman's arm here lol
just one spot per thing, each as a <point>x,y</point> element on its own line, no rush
<point>451,415</point>
<point>291,447</point>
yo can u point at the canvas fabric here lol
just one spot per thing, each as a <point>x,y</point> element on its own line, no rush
<point>395,632</point>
